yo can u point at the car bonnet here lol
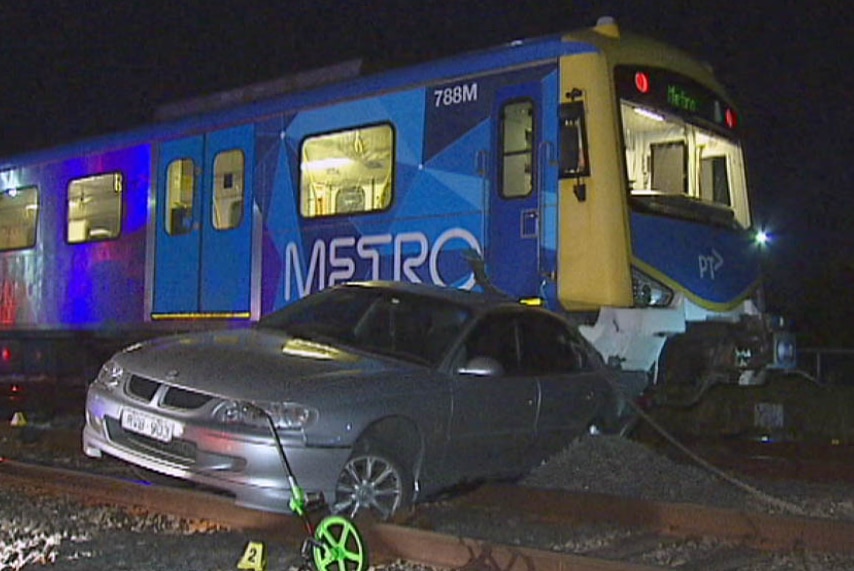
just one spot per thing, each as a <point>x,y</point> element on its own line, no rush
<point>247,364</point>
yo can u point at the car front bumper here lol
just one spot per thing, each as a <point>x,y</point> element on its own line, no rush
<point>247,466</point>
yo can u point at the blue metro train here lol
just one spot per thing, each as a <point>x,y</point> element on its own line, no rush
<point>595,172</point>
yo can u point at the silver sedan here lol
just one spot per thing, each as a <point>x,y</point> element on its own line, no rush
<point>381,394</point>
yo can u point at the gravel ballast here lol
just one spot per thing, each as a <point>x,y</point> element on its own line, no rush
<point>37,530</point>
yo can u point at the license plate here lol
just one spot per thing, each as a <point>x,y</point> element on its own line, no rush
<point>148,425</point>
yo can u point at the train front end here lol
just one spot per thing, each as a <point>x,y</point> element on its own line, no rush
<point>667,225</point>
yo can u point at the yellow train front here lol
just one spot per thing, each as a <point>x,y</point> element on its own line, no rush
<point>654,233</point>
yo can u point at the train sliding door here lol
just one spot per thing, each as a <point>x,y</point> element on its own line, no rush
<point>203,236</point>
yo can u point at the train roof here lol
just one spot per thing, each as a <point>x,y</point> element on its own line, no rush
<point>233,110</point>
<point>327,85</point>
<point>312,88</point>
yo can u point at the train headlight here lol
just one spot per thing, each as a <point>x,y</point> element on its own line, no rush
<point>649,292</point>
<point>109,376</point>
<point>785,351</point>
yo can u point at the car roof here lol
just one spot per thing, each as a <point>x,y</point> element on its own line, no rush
<point>474,299</point>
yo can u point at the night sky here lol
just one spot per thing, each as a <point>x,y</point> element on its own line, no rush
<point>74,69</point>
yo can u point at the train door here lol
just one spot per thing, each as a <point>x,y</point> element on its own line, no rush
<point>203,238</point>
<point>514,207</point>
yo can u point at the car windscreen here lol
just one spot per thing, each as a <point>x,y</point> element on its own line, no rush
<point>332,314</point>
<point>415,328</point>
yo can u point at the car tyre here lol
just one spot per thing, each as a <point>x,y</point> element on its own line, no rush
<point>372,482</point>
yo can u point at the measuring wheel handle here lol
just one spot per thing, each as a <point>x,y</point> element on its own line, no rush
<point>338,545</point>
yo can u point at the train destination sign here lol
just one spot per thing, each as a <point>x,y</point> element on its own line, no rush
<point>670,92</point>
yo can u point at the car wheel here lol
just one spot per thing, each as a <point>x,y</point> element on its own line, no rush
<point>372,482</point>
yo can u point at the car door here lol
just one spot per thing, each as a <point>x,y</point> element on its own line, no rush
<point>494,407</point>
<point>571,390</point>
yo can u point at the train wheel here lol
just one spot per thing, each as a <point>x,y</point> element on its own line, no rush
<point>686,372</point>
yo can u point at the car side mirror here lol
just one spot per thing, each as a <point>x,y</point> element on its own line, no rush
<point>482,367</point>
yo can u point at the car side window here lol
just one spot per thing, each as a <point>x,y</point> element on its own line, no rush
<point>495,337</point>
<point>548,346</point>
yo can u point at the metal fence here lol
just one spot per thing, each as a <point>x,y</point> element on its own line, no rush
<point>829,366</point>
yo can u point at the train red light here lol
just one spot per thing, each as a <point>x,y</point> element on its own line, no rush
<point>730,118</point>
<point>642,82</point>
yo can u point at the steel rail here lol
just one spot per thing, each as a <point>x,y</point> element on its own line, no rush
<point>768,532</point>
<point>389,542</point>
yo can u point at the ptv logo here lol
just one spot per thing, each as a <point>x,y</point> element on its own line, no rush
<point>709,265</point>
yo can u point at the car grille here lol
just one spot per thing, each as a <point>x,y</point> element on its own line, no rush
<point>177,450</point>
<point>142,388</point>
<point>145,389</point>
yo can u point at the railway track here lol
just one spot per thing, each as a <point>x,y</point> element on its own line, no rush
<point>501,527</point>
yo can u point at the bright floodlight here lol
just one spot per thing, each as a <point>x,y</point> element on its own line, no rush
<point>762,237</point>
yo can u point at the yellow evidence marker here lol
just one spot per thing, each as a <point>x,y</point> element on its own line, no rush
<point>254,557</point>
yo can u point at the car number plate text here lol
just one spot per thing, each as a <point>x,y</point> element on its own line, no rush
<point>148,425</point>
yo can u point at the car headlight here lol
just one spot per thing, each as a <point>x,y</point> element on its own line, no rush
<point>649,292</point>
<point>109,376</point>
<point>285,415</point>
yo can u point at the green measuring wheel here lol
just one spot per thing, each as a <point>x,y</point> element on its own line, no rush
<point>339,546</point>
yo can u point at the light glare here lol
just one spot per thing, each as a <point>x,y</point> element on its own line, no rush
<point>648,114</point>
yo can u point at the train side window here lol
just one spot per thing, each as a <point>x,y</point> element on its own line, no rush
<point>180,190</point>
<point>95,207</point>
<point>517,148</point>
<point>228,189</point>
<point>347,172</point>
<point>19,209</point>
